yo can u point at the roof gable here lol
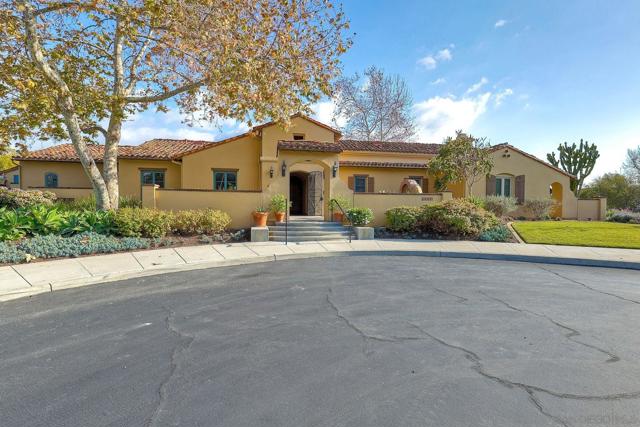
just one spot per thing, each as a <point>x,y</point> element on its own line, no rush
<point>336,132</point>
<point>530,156</point>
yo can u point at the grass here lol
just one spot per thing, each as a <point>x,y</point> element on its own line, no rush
<point>580,233</point>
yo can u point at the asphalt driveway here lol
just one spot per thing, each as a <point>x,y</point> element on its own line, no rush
<point>357,341</point>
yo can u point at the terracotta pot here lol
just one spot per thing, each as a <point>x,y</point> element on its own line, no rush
<point>338,217</point>
<point>279,216</point>
<point>260,219</point>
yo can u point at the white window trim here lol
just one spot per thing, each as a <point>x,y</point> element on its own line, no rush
<point>502,179</point>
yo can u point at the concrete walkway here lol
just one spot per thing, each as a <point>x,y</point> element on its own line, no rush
<point>29,279</point>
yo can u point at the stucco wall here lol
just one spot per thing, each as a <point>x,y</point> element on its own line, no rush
<point>380,203</point>
<point>312,132</point>
<point>242,155</point>
<point>70,174</point>
<point>538,179</point>
<point>386,179</point>
<point>129,175</point>
<point>592,209</point>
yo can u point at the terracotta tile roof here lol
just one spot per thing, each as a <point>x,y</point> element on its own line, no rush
<point>389,147</point>
<point>155,149</point>
<point>325,147</point>
<point>531,156</point>
<point>407,165</point>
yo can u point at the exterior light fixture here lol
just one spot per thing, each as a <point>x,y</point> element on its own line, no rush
<point>334,169</point>
<point>284,168</point>
<point>271,171</point>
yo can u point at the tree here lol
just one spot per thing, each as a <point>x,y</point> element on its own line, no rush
<point>631,165</point>
<point>378,108</point>
<point>78,69</point>
<point>620,192</point>
<point>578,160</point>
<point>463,158</point>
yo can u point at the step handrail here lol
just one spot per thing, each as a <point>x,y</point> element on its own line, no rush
<point>344,215</point>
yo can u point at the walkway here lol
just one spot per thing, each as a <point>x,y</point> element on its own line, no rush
<point>29,279</point>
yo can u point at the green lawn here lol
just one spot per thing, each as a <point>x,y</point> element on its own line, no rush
<point>580,233</point>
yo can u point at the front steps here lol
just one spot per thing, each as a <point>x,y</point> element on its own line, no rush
<point>307,230</point>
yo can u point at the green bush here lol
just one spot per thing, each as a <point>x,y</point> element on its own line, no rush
<point>44,220</point>
<point>539,208</point>
<point>478,201</point>
<point>13,225</point>
<point>9,254</point>
<point>205,221</point>
<point>360,216</point>
<point>89,203</point>
<point>403,218</point>
<point>142,222</point>
<point>499,233</point>
<point>500,206</point>
<point>622,215</point>
<point>344,202</point>
<point>52,246</point>
<point>457,217</point>
<point>17,198</point>
<point>278,203</point>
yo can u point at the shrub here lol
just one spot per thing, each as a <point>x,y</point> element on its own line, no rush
<point>499,233</point>
<point>539,208</point>
<point>457,217</point>
<point>13,225</point>
<point>360,216</point>
<point>500,206</point>
<point>142,222</point>
<point>89,203</point>
<point>478,201</point>
<point>403,218</point>
<point>621,215</point>
<point>17,198</point>
<point>205,221</point>
<point>344,202</point>
<point>81,244</point>
<point>278,203</point>
<point>9,254</point>
<point>44,220</point>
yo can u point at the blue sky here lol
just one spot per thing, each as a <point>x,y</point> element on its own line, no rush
<point>533,73</point>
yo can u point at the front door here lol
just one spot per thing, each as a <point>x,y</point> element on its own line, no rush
<point>314,193</point>
<point>297,186</point>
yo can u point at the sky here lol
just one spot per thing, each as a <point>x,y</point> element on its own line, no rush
<point>531,73</point>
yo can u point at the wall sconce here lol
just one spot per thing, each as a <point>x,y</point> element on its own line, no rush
<point>284,168</point>
<point>271,171</point>
<point>334,169</point>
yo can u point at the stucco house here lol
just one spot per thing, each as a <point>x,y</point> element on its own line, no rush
<point>309,162</point>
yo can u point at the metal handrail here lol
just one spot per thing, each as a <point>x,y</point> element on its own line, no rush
<point>344,215</point>
<point>286,224</point>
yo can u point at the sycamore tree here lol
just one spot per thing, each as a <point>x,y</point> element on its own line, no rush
<point>77,70</point>
<point>464,158</point>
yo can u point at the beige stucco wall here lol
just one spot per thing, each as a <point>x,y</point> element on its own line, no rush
<point>386,180</point>
<point>129,175</point>
<point>70,174</point>
<point>242,154</point>
<point>312,132</point>
<point>538,179</point>
<point>380,203</point>
<point>592,209</point>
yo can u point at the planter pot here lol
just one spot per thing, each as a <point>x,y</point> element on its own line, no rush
<point>279,216</point>
<point>363,233</point>
<point>338,217</point>
<point>260,219</point>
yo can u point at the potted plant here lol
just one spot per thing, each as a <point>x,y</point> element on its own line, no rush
<point>335,204</point>
<point>278,205</point>
<point>260,216</point>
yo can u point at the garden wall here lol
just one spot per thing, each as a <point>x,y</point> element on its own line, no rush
<point>592,209</point>
<point>379,203</point>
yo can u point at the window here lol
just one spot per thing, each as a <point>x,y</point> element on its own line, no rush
<point>16,179</point>
<point>298,137</point>
<point>50,180</point>
<point>503,186</point>
<point>148,177</point>
<point>225,180</point>
<point>360,184</point>
<point>417,179</point>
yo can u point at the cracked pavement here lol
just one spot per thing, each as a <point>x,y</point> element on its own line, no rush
<point>359,341</point>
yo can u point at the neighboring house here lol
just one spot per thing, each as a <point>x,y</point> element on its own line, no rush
<point>309,162</point>
<point>12,177</point>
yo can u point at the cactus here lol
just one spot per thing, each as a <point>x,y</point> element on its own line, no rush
<point>578,160</point>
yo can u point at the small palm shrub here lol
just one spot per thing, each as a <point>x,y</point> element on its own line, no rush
<point>457,217</point>
<point>403,218</point>
<point>142,222</point>
<point>539,208</point>
<point>360,216</point>
<point>204,221</point>
<point>17,198</point>
<point>500,206</point>
<point>499,233</point>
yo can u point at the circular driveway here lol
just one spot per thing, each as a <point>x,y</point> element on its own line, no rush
<point>355,341</point>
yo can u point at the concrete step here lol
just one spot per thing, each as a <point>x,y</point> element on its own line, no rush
<point>309,233</point>
<point>330,228</point>
<point>309,224</point>
<point>309,239</point>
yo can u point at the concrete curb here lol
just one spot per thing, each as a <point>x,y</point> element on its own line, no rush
<point>112,277</point>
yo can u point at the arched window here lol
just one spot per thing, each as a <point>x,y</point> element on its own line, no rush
<point>51,180</point>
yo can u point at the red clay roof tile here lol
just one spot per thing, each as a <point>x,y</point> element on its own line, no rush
<point>389,147</point>
<point>326,147</point>
<point>407,165</point>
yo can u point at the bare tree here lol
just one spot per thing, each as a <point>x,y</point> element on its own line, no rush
<point>377,107</point>
<point>631,165</point>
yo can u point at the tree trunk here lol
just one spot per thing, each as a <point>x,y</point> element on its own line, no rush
<point>110,171</point>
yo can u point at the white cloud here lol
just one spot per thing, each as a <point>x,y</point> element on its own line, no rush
<point>439,81</point>
<point>476,86</point>
<point>429,62</point>
<point>444,55</point>
<point>439,117</point>
<point>500,96</point>
<point>323,112</point>
<point>500,23</point>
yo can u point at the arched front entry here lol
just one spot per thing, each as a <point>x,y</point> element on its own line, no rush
<point>556,194</point>
<point>306,192</point>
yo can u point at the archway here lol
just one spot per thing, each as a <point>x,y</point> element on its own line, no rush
<point>556,190</point>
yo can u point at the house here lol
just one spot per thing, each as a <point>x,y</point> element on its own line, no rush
<point>11,176</point>
<point>309,162</point>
